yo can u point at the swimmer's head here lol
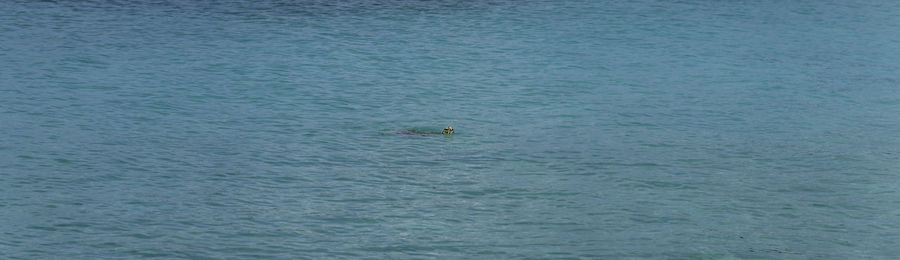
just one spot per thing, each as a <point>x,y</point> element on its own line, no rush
<point>447,130</point>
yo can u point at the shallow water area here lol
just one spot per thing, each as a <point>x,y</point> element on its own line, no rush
<point>584,129</point>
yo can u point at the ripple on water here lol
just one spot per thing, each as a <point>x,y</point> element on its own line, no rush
<point>645,129</point>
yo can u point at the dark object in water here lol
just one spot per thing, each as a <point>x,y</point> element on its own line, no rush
<point>447,131</point>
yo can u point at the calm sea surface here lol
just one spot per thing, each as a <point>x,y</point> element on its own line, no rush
<point>584,129</point>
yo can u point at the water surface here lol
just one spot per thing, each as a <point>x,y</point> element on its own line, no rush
<point>584,129</point>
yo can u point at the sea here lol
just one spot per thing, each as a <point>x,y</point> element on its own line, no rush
<point>584,129</point>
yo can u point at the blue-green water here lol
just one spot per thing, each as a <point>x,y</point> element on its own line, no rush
<point>585,129</point>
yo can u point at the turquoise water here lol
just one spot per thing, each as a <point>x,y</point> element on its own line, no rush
<point>584,129</point>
